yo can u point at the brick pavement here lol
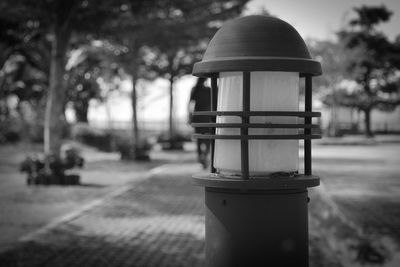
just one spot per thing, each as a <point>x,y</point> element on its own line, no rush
<point>159,221</point>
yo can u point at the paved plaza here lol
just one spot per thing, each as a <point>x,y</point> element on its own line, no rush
<point>159,220</point>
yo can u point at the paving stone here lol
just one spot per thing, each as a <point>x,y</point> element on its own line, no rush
<point>159,222</point>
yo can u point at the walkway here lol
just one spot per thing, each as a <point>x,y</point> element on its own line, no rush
<point>159,221</point>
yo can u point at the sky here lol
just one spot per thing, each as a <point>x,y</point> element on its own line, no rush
<point>317,19</point>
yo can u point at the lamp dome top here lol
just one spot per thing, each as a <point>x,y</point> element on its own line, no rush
<point>257,43</point>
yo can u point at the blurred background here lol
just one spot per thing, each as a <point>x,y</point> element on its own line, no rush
<point>106,85</point>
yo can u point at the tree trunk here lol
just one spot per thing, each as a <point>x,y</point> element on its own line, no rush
<point>54,116</point>
<point>138,151</point>
<point>171,108</point>
<point>4,109</point>
<point>368,107</point>
<point>110,121</point>
<point>367,121</point>
<point>135,129</point>
<point>81,111</point>
<point>25,129</point>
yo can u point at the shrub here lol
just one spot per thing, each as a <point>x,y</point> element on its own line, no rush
<point>172,143</point>
<point>9,131</point>
<point>100,139</point>
<point>34,167</point>
<point>127,151</point>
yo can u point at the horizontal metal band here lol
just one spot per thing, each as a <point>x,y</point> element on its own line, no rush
<point>300,114</point>
<point>260,183</point>
<point>304,66</point>
<point>258,137</point>
<point>256,125</point>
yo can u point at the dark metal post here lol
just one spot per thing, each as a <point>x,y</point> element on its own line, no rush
<point>307,121</point>
<point>256,228</point>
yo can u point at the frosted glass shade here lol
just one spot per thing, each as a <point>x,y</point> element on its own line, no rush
<point>269,91</point>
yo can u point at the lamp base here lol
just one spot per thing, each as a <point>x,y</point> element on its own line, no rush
<point>267,228</point>
<point>256,222</point>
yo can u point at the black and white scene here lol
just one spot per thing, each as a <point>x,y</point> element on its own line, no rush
<point>199,133</point>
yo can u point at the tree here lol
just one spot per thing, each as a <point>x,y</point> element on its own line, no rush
<point>172,64</point>
<point>57,22</point>
<point>27,85</point>
<point>82,88</point>
<point>373,62</point>
<point>159,25</point>
<point>87,65</point>
<point>23,64</point>
<point>333,57</point>
<point>134,23</point>
<point>180,42</point>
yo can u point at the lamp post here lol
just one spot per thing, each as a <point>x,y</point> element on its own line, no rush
<point>255,198</point>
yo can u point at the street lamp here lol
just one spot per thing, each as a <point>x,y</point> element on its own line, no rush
<point>256,200</point>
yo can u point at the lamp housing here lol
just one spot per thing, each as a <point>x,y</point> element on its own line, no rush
<point>256,64</point>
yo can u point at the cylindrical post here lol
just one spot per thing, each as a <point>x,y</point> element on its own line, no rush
<point>244,146</point>
<point>307,120</point>
<point>214,97</point>
<point>255,228</point>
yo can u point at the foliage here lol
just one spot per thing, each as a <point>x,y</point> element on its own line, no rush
<point>177,44</point>
<point>35,167</point>
<point>60,23</point>
<point>21,79</point>
<point>23,65</point>
<point>174,142</point>
<point>333,58</point>
<point>100,139</point>
<point>22,91</point>
<point>9,132</point>
<point>110,142</point>
<point>43,32</point>
<point>139,152</point>
<point>87,66</point>
<point>150,30</point>
<point>373,62</point>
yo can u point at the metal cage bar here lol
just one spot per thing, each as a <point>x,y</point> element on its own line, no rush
<point>244,143</point>
<point>256,125</point>
<point>214,98</point>
<point>258,137</point>
<point>307,120</point>
<point>299,114</point>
